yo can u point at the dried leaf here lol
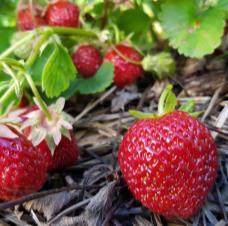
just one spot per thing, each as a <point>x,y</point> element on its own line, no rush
<point>140,221</point>
<point>100,204</point>
<point>51,204</point>
<point>221,223</point>
<point>11,217</point>
<point>210,216</point>
<point>71,221</point>
<point>2,223</point>
<point>124,97</point>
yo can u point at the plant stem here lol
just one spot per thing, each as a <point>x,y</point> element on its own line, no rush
<point>73,31</point>
<point>28,64</point>
<point>37,95</point>
<point>126,58</point>
<point>36,50</point>
<point>16,45</point>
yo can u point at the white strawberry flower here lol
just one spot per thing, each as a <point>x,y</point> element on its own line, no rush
<point>52,130</point>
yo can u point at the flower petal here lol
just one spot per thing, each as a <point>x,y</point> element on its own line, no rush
<point>56,136</point>
<point>6,132</point>
<point>59,105</point>
<point>37,135</point>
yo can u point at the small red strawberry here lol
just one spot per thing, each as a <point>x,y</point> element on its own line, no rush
<point>62,13</point>
<point>26,21</point>
<point>87,60</point>
<point>22,167</point>
<point>65,152</point>
<point>24,102</point>
<point>126,72</point>
<point>169,163</point>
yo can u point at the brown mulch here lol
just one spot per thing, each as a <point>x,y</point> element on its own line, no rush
<point>93,193</point>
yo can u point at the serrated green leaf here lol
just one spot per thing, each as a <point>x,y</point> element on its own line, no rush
<point>72,89</point>
<point>192,31</point>
<point>134,21</point>
<point>58,72</point>
<point>98,83</point>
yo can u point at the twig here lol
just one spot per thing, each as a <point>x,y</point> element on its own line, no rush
<point>105,14</point>
<point>221,202</point>
<point>212,102</point>
<point>221,120</point>
<point>38,195</point>
<point>94,104</point>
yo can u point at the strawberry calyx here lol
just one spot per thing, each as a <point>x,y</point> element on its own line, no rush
<point>167,104</point>
<point>43,128</point>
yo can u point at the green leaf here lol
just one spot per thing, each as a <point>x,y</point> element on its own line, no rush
<point>134,21</point>
<point>188,106</point>
<point>58,71</point>
<point>192,31</point>
<point>141,115</point>
<point>98,83</point>
<point>72,89</point>
<point>196,114</point>
<point>223,5</point>
<point>6,34</point>
<point>167,101</point>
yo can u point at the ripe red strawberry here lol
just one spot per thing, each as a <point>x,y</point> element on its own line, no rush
<point>87,60</point>
<point>62,13</point>
<point>169,163</point>
<point>65,154</point>
<point>24,102</point>
<point>25,20</point>
<point>126,72</point>
<point>22,167</point>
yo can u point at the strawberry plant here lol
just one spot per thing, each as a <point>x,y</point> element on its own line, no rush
<point>70,70</point>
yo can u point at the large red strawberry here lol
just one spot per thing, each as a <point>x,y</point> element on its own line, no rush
<point>169,163</point>
<point>87,60</point>
<point>62,13</point>
<point>126,61</point>
<point>22,167</point>
<point>63,155</point>
<point>27,21</point>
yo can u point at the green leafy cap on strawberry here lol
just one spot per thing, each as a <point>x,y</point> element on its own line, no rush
<point>167,103</point>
